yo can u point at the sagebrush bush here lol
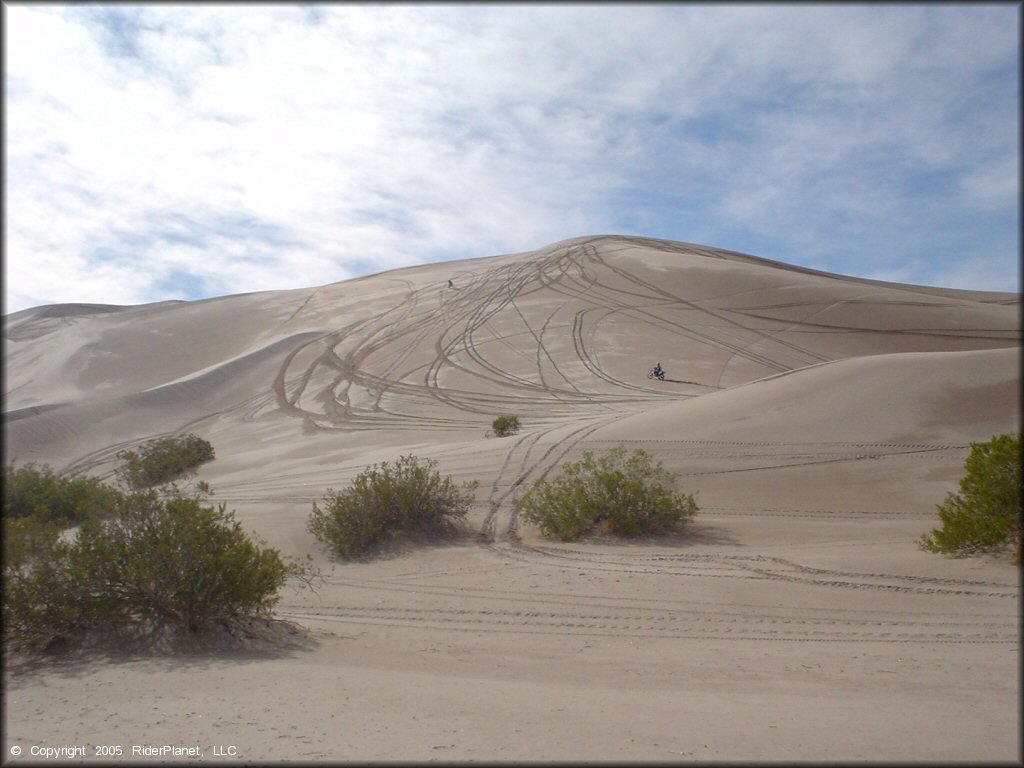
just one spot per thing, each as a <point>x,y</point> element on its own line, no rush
<point>34,490</point>
<point>162,560</point>
<point>409,496</point>
<point>163,460</point>
<point>613,494</point>
<point>42,589</point>
<point>503,426</point>
<point>985,515</point>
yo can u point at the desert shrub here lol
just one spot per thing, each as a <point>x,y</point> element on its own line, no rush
<point>409,496</point>
<point>985,515</point>
<point>163,460</point>
<point>42,591</point>
<point>34,490</point>
<point>503,426</point>
<point>164,560</point>
<point>613,494</point>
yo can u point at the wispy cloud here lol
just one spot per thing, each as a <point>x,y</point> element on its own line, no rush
<point>159,152</point>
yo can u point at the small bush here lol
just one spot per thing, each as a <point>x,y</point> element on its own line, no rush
<point>408,496</point>
<point>33,490</point>
<point>503,426</point>
<point>613,494</point>
<point>985,515</point>
<point>163,460</point>
<point>160,561</point>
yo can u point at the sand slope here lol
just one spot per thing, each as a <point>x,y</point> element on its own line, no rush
<point>817,418</point>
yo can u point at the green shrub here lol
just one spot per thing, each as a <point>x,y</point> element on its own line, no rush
<point>613,494</point>
<point>985,515</point>
<point>27,539</point>
<point>42,593</point>
<point>408,496</point>
<point>503,426</point>
<point>161,561</point>
<point>163,460</point>
<point>33,490</point>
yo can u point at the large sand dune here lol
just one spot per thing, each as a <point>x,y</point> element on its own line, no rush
<point>817,418</point>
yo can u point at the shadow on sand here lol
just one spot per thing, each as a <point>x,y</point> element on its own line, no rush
<point>242,640</point>
<point>405,543</point>
<point>695,534</point>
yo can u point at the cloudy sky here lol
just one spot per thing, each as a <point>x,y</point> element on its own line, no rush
<point>161,152</point>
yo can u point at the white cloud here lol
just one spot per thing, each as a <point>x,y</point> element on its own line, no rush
<point>992,185</point>
<point>382,135</point>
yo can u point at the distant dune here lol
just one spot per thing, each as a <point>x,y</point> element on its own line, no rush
<point>818,419</point>
<point>565,333</point>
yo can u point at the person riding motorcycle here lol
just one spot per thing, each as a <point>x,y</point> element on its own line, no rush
<point>657,372</point>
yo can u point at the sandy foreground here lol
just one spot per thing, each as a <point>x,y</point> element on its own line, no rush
<point>817,418</point>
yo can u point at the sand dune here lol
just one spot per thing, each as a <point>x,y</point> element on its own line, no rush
<point>818,419</point>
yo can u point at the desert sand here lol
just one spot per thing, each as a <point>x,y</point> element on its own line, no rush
<point>817,418</point>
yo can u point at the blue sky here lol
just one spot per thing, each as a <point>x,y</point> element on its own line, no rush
<point>161,152</point>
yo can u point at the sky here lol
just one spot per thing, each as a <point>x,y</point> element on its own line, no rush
<point>157,152</point>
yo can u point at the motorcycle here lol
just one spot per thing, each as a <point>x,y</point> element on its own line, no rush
<point>654,373</point>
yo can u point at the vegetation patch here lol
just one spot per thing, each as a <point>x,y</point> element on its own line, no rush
<point>162,560</point>
<point>615,494</point>
<point>985,515</point>
<point>163,460</point>
<point>503,426</point>
<point>409,496</point>
<point>32,490</point>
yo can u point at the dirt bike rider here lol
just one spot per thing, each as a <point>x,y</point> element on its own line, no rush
<point>657,372</point>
